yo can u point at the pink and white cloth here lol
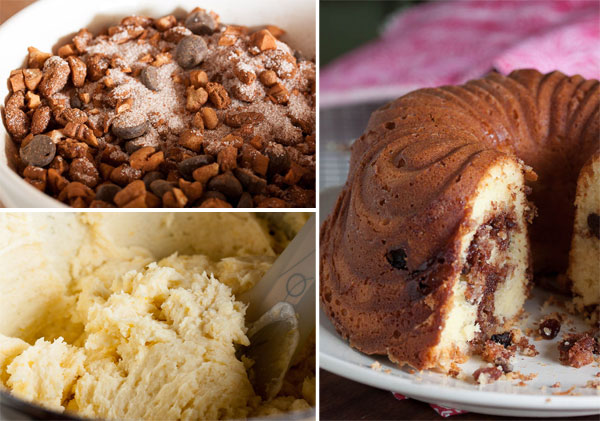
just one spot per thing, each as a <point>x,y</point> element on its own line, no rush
<point>451,42</point>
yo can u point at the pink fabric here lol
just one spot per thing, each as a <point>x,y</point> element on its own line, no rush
<point>450,42</point>
<point>441,410</point>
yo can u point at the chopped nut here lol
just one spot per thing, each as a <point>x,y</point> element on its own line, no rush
<point>84,171</point>
<point>55,75</point>
<point>124,174</point>
<point>97,65</point>
<point>56,181</point>
<point>39,121</point>
<point>81,40</point>
<point>198,78</point>
<point>124,105</point>
<point>78,70</point>
<point>275,30</point>
<point>279,94</point>
<point>244,74</point>
<point>214,202</point>
<point>193,190</point>
<point>198,121</point>
<point>218,95</point>
<point>247,117</point>
<point>162,58</point>
<point>80,132</point>
<point>196,98</point>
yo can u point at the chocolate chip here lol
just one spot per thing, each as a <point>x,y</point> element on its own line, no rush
<point>187,166</point>
<point>245,201</point>
<point>226,184</point>
<point>129,125</point>
<point>279,159</point>
<point>251,182</point>
<point>160,187</point>
<point>593,221</point>
<point>75,101</point>
<point>549,328</point>
<point>150,79</point>
<point>39,152</point>
<point>503,339</point>
<point>106,192</point>
<point>152,176</point>
<point>201,23</point>
<point>397,258</point>
<point>190,51</point>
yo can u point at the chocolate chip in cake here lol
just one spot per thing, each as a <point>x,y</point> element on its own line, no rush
<point>504,339</point>
<point>549,328</point>
<point>190,51</point>
<point>593,221</point>
<point>150,78</point>
<point>129,125</point>
<point>187,166</point>
<point>39,152</point>
<point>106,192</point>
<point>397,258</point>
<point>201,23</point>
<point>226,184</point>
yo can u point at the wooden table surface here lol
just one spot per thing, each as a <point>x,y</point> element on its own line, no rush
<point>343,399</point>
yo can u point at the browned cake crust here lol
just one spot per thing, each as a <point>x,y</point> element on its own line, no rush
<point>412,174</point>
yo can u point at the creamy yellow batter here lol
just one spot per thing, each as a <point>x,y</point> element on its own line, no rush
<point>134,315</point>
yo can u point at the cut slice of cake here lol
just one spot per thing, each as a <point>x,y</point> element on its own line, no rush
<point>584,258</point>
<point>493,283</point>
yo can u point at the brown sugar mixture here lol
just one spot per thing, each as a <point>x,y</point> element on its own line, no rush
<point>167,113</point>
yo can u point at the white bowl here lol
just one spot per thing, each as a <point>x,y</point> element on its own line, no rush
<point>46,22</point>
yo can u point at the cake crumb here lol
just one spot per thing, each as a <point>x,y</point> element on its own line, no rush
<point>376,366</point>
<point>569,391</point>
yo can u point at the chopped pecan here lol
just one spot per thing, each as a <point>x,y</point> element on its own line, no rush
<point>227,158</point>
<point>146,159</point>
<point>41,118</point>
<point>279,94</point>
<point>164,23</point>
<point>205,173</point>
<point>78,70</point>
<point>55,75</point>
<point>191,139</point>
<point>193,190</point>
<point>56,181</point>
<point>81,40</point>
<point>97,65</point>
<point>196,98</point>
<point>124,174</point>
<point>36,58</point>
<point>36,176</point>
<point>84,171</point>
<point>247,117</point>
<point>80,132</point>
<point>218,95</point>
<point>174,198</point>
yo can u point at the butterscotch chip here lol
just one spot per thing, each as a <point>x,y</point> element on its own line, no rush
<point>33,100</point>
<point>67,50</point>
<point>263,40</point>
<point>218,95</point>
<point>17,81</point>
<point>268,78</point>
<point>32,78</point>
<point>198,78</point>
<point>211,120</point>
<point>191,139</point>
<point>213,202</point>
<point>132,191</point>
<point>36,58</point>
<point>205,173</point>
<point>275,30</point>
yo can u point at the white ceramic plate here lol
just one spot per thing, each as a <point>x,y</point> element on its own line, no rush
<point>46,22</point>
<point>535,399</point>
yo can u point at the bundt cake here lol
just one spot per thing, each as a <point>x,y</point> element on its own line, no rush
<point>429,250</point>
